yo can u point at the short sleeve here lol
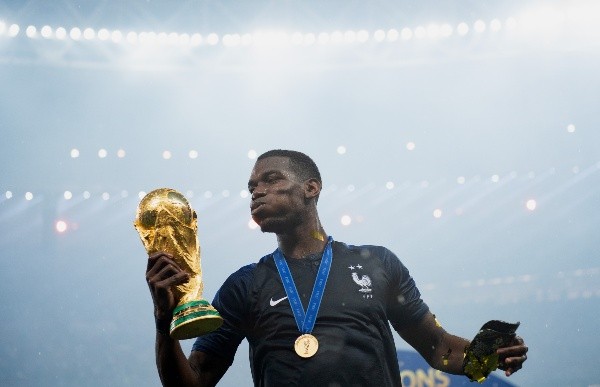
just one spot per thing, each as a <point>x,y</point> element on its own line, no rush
<point>404,303</point>
<point>232,303</point>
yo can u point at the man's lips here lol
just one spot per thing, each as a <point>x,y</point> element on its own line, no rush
<point>255,206</point>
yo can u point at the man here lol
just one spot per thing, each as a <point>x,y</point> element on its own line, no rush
<point>316,311</point>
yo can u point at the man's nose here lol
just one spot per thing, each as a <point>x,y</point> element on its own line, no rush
<point>258,192</point>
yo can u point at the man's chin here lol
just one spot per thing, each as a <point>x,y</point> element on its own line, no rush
<point>267,225</point>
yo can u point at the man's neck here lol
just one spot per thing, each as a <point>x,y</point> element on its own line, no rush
<point>302,243</point>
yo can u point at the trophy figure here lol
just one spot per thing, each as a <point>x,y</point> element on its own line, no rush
<point>166,222</point>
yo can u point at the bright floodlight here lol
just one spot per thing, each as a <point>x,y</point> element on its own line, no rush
<point>116,36</point>
<point>244,194</point>
<point>196,40</point>
<point>8,194</point>
<point>323,38</point>
<point>297,38</point>
<point>162,38</point>
<point>349,36</point>
<point>247,39</point>
<point>437,213</point>
<point>410,145</point>
<point>173,38</point>
<point>31,32</point>
<point>86,194</point>
<point>389,185</point>
<point>74,153</point>
<point>542,19</point>
<point>166,155</point>
<point>46,32</point>
<point>392,35</point>
<point>212,39</point>
<point>571,128</point>
<point>406,33</point>
<point>445,30</point>
<point>511,23</point>
<point>379,35</point>
<point>495,25</point>
<point>103,34</point>
<point>13,30</point>
<point>75,33</point>
<point>141,194</point>
<point>193,154</point>
<point>102,153</point>
<point>479,26</point>
<point>184,39</point>
<point>225,193</point>
<point>460,180</point>
<point>89,33</point>
<point>341,150</point>
<point>531,204</point>
<point>433,31</point>
<point>61,33</point>
<point>351,188</point>
<point>346,220</point>
<point>420,32</point>
<point>231,40</point>
<point>61,226</point>
<point>121,153</point>
<point>362,36</point>
<point>28,196</point>
<point>68,195</point>
<point>495,178</point>
<point>337,37</point>
<point>132,37</point>
<point>309,39</point>
<point>252,154</point>
<point>462,29</point>
<point>105,196</point>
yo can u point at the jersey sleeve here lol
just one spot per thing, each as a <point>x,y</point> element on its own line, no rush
<point>404,303</point>
<point>232,303</point>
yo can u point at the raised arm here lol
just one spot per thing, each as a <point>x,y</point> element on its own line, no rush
<point>174,368</point>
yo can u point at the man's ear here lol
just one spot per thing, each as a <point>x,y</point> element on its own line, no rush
<point>312,188</point>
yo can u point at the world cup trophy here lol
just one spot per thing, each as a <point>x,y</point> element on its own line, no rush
<point>166,222</point>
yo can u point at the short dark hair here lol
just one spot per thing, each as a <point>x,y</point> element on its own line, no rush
<point>303,166</point>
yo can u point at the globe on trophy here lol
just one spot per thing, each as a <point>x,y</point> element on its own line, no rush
<point>166,222</point>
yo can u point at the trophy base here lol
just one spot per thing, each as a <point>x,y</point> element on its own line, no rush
<point>194,319</point>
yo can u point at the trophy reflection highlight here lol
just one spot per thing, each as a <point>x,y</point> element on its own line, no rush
<point>166,222</point>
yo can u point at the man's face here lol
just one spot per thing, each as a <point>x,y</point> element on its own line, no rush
<point>277,195</point>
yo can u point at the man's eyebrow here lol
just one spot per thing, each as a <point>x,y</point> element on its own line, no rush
<point>265,174</point>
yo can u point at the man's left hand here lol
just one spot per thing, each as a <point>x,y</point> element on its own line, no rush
<point>512,357</point>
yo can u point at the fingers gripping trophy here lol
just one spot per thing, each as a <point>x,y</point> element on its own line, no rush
<point>166,222</point>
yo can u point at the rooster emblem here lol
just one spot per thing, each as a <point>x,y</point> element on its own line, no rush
<point>364,282</point>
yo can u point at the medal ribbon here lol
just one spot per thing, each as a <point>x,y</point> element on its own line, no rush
<point>305,321</point>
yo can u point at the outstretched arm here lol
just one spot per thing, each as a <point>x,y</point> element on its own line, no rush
<point>445,352</point>
<point>440,349</point>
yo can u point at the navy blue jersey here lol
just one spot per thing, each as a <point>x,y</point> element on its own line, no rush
<point>367,287</point>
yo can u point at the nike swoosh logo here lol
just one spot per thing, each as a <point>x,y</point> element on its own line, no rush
<point>275,302</point>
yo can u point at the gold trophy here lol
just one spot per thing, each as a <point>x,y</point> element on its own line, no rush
<point>166,222</point>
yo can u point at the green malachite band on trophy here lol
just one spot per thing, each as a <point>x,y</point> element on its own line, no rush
<point>190,305</point>
<point>193,319</point>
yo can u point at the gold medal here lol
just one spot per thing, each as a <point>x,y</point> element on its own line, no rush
<point>306,345</point>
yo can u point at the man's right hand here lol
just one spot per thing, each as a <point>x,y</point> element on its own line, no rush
<point>162,273</point>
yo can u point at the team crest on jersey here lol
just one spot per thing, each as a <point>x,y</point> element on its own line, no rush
<point>363,281</point>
